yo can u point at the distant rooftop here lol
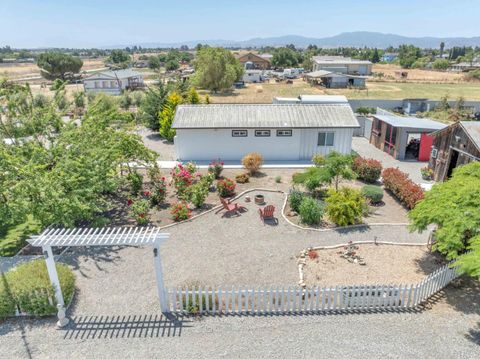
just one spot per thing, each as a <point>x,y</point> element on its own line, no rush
<point>339,60</point>
<point>121,74</point>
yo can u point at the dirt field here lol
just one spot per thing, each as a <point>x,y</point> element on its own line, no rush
<point>17,71</point>
<point>387,264</point>
<point>417,75</point>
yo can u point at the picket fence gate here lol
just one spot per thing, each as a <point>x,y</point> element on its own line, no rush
<point>302,300</point>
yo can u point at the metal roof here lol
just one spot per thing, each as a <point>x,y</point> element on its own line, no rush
<point>121,74</point>
<point>339,60</point>
<point>107,236</point>
<point>264,116</point>
<point>318,73</point>
<point>411,122</point>
<point>323,99</point>
<point>472,128</point>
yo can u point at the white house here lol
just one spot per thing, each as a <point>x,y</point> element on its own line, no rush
<point>113,82</point>
<point>279,132</point>
<point>253,76</point>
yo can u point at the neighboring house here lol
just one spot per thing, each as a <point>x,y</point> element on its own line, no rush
<point>113,81</point>
<point>342,65</point>
<point>404,138</point>
<point>330,79</point>
<point>465,66</point>
<point>253,76</point>
<point>389,57</point>
<point>453,146</point>
<point>258,62</point>
<point>279,132</point>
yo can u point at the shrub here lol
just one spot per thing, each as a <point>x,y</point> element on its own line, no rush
<point>159,191</point>
<point>182,178</point>
<point>242,178</point>
<point>427,173</point>
<point>207,180</point>
<point>312,254</point>
<point>367,169</point>
<point>373,194</point>
<point>364,110</point>
<point>226,187</point>
<point>7,303</point>
<point>136,181</point>
<point>318,160</point>
<point>139,210</point>
<point>278,179</point>
<point>31,289</point>
<point>252,162</point>
<point>295,200</point>
<point>311,211</point>
<point>312,178</point>
<point>197,193</point>
<point>216,167</point>
<point>180,211</point>
<point>402,187</point>
<point>345,206</point>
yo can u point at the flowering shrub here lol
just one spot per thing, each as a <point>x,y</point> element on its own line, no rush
<point>242,178</point>
<point>139,210</point>
<point>136,182</point>
<point>427,173</point>
<point>207,180</point>
<point>182,178</point>
<point>216,167</point>
<point>226,187</point>
<point>402,187</point>
<point>159,191</point>
<point>252,162</point>
<point>367,169</point>
<point>180,211</point>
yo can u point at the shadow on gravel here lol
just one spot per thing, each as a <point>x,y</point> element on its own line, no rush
<point>125,326</point>
<point>474,335</point>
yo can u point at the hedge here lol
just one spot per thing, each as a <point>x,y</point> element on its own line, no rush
<point>367,169</point>
<point>28,285</point>
<point>402,187</point>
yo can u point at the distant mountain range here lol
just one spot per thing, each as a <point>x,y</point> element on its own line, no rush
<point>355,39</point>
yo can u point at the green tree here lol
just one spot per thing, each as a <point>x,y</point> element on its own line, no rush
<point>56,65</point>
<point>216,69</point>
<point>453,206</point>
<point>339,167</point>
<point>167,115</point>
<point>119,59</point>
<point>192,96</point>
<point>375,56</point>
<point>441,64</point>
<point>152,105</point>
<point>408,54</point>
<point>285,57</point>
<point>172,65</point>
<point>154,62</point>
<point>442,48</point>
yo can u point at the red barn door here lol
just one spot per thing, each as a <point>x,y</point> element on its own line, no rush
<point>426,143</point>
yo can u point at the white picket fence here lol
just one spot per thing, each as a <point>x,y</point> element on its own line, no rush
<point>298,300</point>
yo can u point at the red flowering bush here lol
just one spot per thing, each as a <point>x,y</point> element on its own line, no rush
<point>180,211</point>
<point>226,187</point>
<point>159,191</point>
<point>182,178</point>
<point>139,212</point>
<point>402,187</point>
<point>367,169</point>
<point>216,167</point>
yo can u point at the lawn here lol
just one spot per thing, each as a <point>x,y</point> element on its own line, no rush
<point>15,238</point>
<point>264,93</point>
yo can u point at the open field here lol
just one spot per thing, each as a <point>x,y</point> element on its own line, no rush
<point>418,75</point>
<point>264,93</point>
<point>17,71</point>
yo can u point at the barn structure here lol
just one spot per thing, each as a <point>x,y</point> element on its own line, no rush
<point>255,61</point>
<point>279,132</point>
<point>404,138</point>
<point>453,146</point>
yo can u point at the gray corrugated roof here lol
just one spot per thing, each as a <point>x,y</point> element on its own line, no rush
<point>411,122</point>
<point>121,74</point>
<point>339,60</point>
<point>473,130</point>
<point>264,115</point>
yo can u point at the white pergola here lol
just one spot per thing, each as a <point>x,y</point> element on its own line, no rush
<point>107,236</point>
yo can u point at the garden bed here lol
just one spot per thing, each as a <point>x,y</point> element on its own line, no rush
<point>385,264</point>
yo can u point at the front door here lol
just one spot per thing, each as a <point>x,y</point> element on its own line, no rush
<point>453,163</point>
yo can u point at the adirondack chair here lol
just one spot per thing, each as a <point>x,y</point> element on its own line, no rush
<point>230,207</point>
<point>267,213</point>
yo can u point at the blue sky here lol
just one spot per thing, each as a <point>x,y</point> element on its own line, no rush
<point>90,23</point>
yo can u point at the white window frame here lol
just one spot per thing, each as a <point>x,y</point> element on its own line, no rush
<point>239,133</point>
<point>325,142</point>
<point>262,133</point>
<point>284,133</point>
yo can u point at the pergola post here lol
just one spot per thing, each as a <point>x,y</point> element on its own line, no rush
<point>162,295</point>
<point>52,273</point>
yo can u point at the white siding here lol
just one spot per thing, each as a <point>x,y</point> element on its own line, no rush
<point>208,144</point>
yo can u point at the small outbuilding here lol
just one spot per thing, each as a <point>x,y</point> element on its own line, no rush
<point>335,80</point>
<point>403,137</point>
<point>113,82</point>
<point>279,132</point>
<point>454,146</point>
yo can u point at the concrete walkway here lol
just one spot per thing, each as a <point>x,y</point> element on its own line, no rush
<point>365,149</point>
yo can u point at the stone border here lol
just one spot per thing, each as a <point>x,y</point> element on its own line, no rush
<point>301,262</point>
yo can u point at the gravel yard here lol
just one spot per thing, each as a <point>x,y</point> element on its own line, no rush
<point>384,264</point>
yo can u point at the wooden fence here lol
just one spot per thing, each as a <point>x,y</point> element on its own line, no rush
<point>300,300</point>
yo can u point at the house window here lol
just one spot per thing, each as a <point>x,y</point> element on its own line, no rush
<point>326,138</point>
<point>284,133</point>
<point>239,133</point>
<point>262,133</point>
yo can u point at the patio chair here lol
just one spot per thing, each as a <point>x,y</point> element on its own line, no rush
<point>230,207</point>
<point>267,213</point>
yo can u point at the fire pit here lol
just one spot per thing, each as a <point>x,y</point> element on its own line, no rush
<point>259,199</point>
